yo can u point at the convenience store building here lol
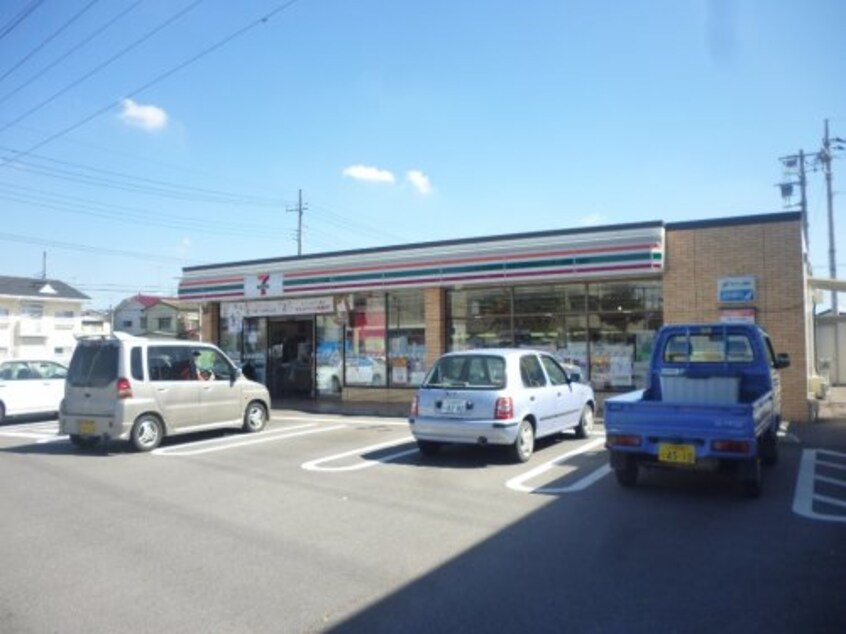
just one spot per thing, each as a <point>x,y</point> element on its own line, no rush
<point>365,325</point>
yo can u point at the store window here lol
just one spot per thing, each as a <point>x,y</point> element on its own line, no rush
<point>606,329</point>
<point>329,334</point>
<point>623,321</point>
<point>479,318</point>
<point>406,338</point>
<point>364,358</point>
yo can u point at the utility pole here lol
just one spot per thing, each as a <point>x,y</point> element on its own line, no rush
<point>299,211</point>
<point>790,162</point>
<point>825,158</point>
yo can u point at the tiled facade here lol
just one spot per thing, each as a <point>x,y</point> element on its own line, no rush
<point>699,254</point>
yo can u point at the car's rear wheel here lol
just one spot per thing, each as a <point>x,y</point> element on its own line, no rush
<point>2,412</point>
<point>147,433</point>
<point>585,425</point>
<point>255,417</point>
<point>626,471</point>
<point>769,448</point>
<point>524,445</point>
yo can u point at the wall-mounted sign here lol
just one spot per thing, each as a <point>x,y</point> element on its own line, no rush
<point>263,285</point>
<point>739,289</point>
<point>281,307</point>
<point>737,315</point>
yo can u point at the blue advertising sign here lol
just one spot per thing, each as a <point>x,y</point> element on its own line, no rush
<point>736,290</point>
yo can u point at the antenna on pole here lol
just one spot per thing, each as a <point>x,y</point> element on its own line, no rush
<point>44,265</point>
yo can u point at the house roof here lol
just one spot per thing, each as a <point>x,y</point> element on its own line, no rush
<point>148,301</point>
<point>38,288</point>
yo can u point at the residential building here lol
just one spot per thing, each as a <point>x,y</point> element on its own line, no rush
<point>152,316</point>
<point>39,318</point>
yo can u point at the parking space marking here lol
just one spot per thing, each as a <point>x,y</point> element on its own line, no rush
<point>315,465</point>
<point>42,432</point>
<point>226,442</point>
<point>346,420</point>
<point>517,483</point>
<point>806,495</point>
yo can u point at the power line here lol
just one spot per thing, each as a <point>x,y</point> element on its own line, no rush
<point>103,65</point>
<point>73,246</point>
<point>262,20</point>
<point>49,38</point>
<point>69,204</point>
<point>22,15</point>
<point>165,189</point>
<point>65,55</point>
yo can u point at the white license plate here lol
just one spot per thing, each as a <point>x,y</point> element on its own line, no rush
<point>453,406</point>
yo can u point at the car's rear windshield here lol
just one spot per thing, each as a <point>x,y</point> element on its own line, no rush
<point>93,365</point>
<point>713,347</point>
<point>468,371</point>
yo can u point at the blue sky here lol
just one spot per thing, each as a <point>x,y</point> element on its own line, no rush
<point>401,122</point>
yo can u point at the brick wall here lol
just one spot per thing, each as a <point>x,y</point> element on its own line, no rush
<point>696,257</point>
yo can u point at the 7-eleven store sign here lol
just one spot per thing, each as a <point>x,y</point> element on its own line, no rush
<point>263,285</point>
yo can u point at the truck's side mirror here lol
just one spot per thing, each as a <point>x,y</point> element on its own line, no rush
<point>782,360</point>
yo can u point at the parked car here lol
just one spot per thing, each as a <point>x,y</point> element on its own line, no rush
<point>30,386</point>
<point>360,370</point>
<point>499,397</point>
<point>141,390</point>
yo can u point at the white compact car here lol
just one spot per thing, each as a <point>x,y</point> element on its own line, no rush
<point>499,396</point>
<point>30,386</point>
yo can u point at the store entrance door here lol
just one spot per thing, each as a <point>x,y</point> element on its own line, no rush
<point>291,358</point>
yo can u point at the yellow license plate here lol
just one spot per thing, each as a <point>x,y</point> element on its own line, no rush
<point>679,454</point>
<point>87,427</point>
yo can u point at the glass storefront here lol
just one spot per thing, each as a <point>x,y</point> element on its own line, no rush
<point>607,329</point>
<point>406,338</point>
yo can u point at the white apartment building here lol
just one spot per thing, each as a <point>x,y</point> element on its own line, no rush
<point>39,318</point>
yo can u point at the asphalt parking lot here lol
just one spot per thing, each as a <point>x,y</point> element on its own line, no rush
<point>336,523</point>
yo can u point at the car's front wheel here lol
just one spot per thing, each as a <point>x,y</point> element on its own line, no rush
<point>255,417</point>
<point>147,433</point>
<point>524,445</point>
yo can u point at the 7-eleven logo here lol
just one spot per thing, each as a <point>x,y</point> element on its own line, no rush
<point>263,283</point>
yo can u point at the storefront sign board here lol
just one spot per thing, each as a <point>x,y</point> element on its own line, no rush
<point>738,289</point>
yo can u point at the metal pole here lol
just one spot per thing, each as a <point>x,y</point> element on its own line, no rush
<point>825,156</point>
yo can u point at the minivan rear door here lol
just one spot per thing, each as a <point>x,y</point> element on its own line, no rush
<point>91,385</point>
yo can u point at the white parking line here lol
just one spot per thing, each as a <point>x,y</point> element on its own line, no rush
<point>217,443</point>
<point>517,483</point>
<point>804,497</point>
<point>342,419</point>
<point>315,465</point>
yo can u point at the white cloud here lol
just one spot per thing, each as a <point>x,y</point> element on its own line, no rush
<point>147,117</point>
<point>592,220</point>
<point>419,181</point>
<point>369,174</point>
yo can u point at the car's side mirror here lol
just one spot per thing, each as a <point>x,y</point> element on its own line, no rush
<point>782,360</point>
<point>575,377</point>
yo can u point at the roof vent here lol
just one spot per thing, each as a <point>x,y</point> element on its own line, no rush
<point>48,290</point>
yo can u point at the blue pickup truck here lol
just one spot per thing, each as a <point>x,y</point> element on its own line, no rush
<point>713,402</point>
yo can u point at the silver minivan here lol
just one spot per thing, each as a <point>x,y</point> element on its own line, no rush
<point>141,390</point>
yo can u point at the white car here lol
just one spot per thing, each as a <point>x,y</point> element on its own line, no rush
<point>499,397</point>
<point>30,386</point>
